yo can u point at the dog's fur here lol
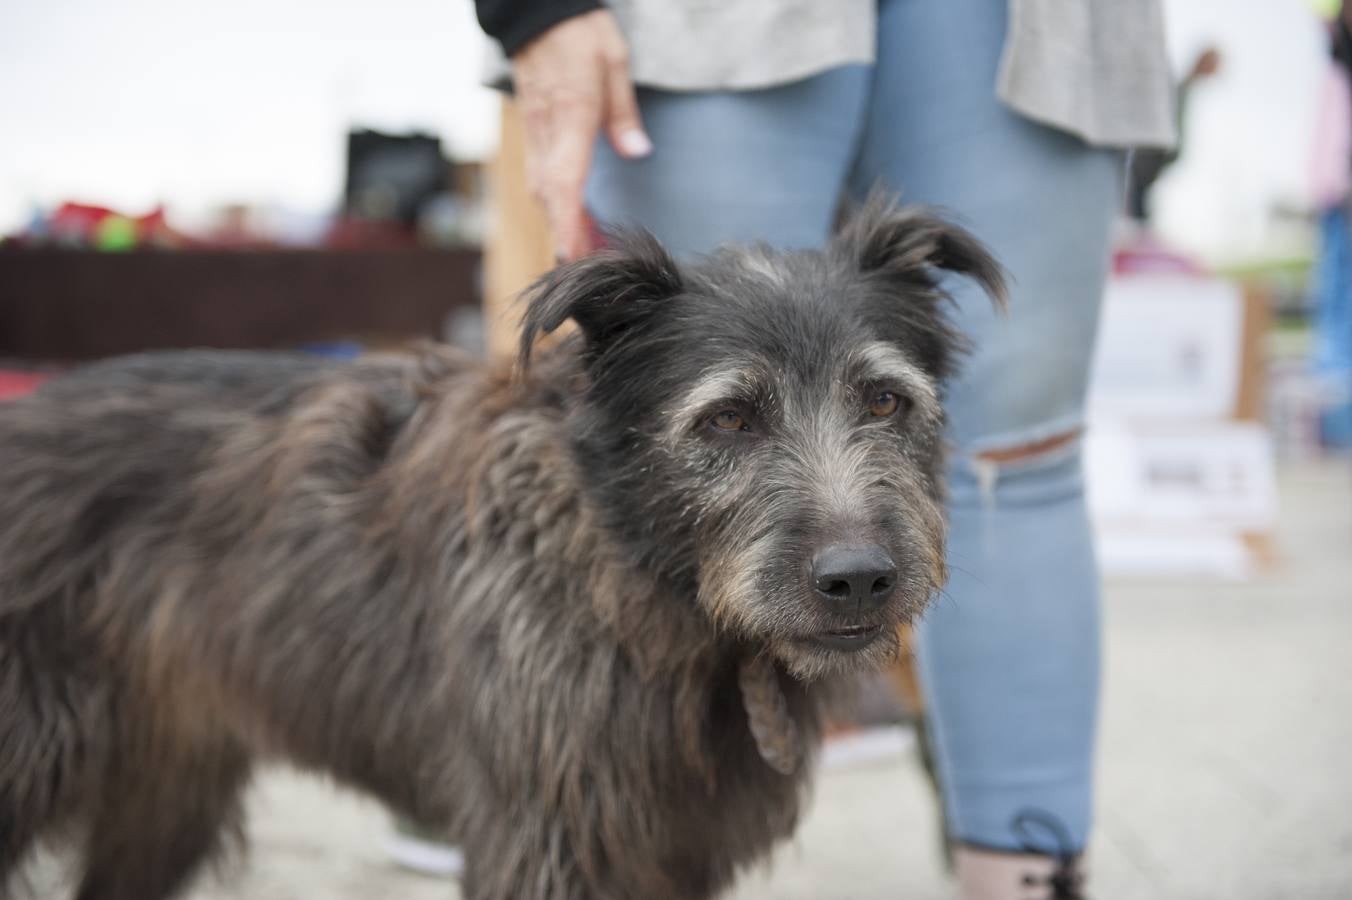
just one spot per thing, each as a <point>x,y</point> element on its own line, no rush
<point>513,607</point>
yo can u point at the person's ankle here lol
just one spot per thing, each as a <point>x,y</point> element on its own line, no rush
<point>988,874</point>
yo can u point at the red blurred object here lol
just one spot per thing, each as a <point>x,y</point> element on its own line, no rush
<point>77,220</point>
<point>16,384</point>
<point>595,232</point>
<point>79,223</point>
<point>1145,254</point>
<point>154,228</point>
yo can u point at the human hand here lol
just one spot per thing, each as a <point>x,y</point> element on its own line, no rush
<point>570,82</point>
<point>1207,63</point>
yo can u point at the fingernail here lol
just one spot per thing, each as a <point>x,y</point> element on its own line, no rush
<point>635,144</point>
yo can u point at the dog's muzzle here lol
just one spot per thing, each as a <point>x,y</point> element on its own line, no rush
<point>852,581</point>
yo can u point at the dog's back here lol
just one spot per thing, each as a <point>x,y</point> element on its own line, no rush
<point>94,450</point>
<point>110,477</point>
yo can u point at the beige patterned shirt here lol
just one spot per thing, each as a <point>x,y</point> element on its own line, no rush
<point>1094,68</point>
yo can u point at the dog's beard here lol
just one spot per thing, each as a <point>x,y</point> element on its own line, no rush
<point>757,607</point>
<point>808,662</point>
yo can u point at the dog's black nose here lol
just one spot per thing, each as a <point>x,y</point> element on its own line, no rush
<point>854,577</point>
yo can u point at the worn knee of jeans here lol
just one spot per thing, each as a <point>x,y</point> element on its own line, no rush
<point>1043,469</point>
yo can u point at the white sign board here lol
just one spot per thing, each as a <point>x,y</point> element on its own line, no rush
<point>1217,473</point>
<point>1169,347</point>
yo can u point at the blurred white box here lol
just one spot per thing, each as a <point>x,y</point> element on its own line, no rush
<point>1214,472</point>
<point>1179,470</point>
<point>1181,498</point>
<point>1170,346</point>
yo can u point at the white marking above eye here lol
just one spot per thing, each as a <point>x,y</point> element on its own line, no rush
<point>711,389</point>
<point>889,366</point>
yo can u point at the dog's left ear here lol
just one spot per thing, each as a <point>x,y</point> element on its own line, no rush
<point>910,243</point>
<point>605,293</point>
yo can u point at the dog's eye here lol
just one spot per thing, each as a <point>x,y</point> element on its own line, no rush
<point>728,420</point>
<point>884,403</point>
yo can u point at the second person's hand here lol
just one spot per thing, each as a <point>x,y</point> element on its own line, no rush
<point>570,82</point>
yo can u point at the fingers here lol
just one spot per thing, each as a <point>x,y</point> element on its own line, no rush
<point>574,126</point>
<point>560,129</point>
<point>571,81</point>
<point>624,127</point>
<point>536,129</point>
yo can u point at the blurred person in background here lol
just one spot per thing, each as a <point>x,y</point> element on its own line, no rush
<point>1149,163</point>
<point>1331,185</point>
<point>749,120</point>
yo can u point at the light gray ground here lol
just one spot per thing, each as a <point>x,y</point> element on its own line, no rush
<point>1226,749</point>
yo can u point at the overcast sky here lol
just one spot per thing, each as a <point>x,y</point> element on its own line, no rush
<point>202,103</point>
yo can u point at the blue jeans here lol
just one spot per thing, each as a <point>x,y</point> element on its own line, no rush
<point>1332,302</point>
<point>1332,299</point>
<point>1010,653</point>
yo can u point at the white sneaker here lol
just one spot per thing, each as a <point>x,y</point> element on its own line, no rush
<point>420,852</point>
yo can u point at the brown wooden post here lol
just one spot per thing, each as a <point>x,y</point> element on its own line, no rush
<point>518,248</point>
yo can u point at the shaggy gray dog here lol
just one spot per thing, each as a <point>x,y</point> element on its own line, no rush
<point>575,615</point>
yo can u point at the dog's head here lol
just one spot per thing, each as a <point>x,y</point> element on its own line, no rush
<point>766,427</point>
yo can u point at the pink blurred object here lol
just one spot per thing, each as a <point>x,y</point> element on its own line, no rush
<point>1145,254</point>
<point>16,384</point>
<point>1330,175</point>
<point>595,232</point>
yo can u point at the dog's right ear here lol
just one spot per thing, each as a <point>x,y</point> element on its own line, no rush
<point>604,293</point>
<point>912,243</point>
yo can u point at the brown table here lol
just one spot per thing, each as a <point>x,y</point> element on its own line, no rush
<point>69,304</point>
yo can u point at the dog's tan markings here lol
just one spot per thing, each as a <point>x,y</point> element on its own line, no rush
<point>728,585</point>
